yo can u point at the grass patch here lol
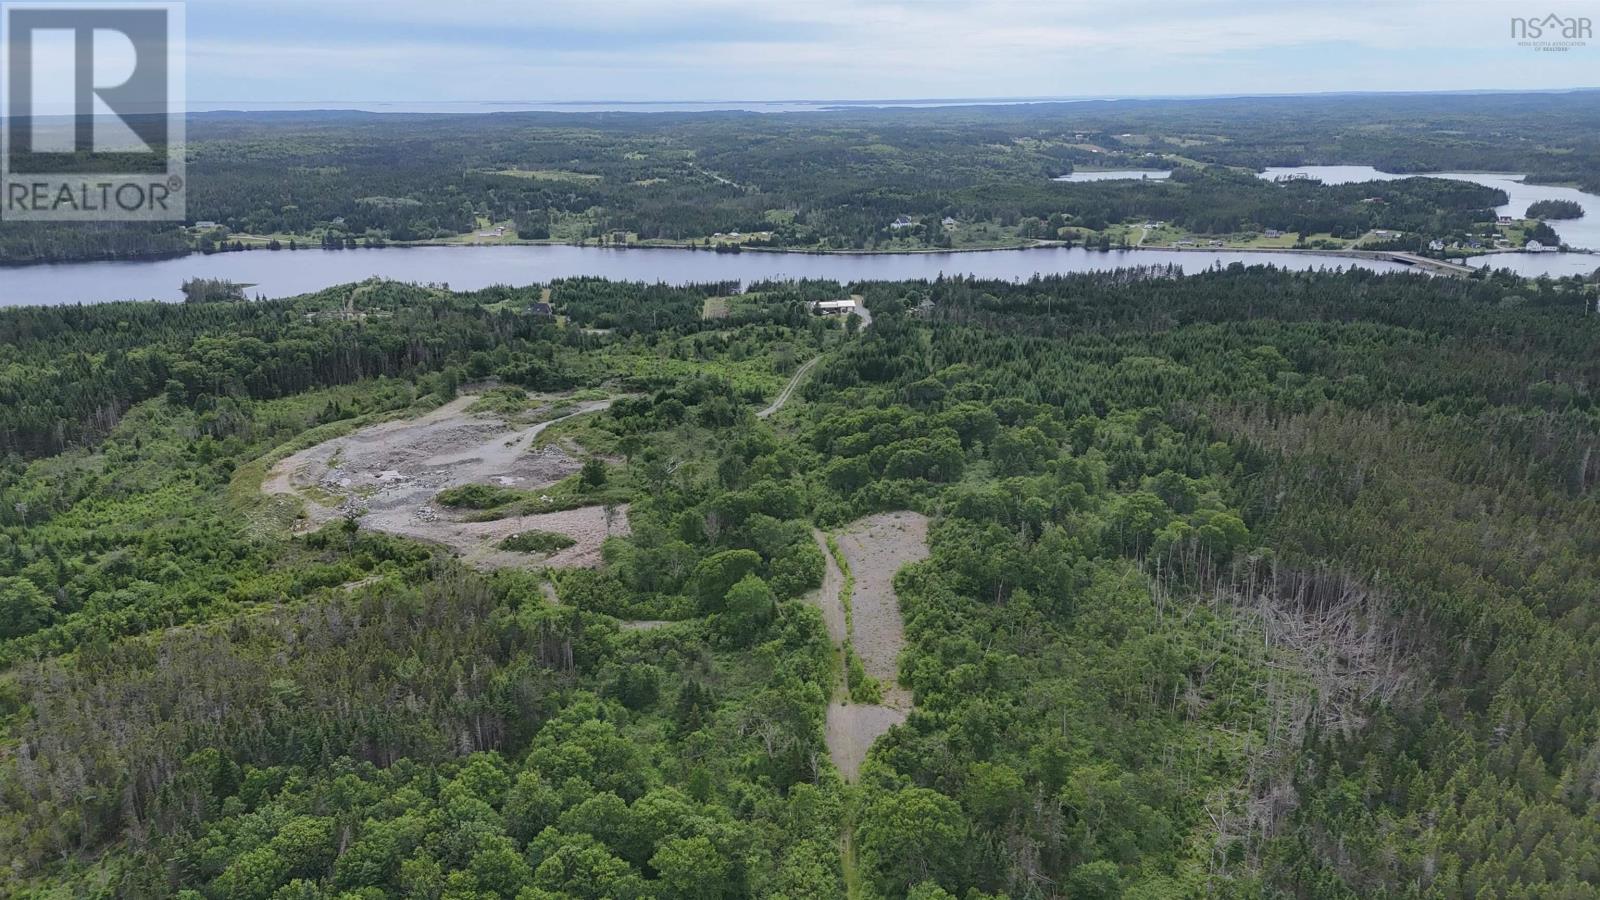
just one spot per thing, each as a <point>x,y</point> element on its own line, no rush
<point>847,589</point>
<point>568,493</point>
<point>858,685</point>
<point>537,542</point>
<point>502,401</point>
<point>477,496</point>
<point>716,308</point>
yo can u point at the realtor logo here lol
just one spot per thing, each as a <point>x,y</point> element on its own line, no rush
<point>1552,33</point>
<point>92,112</point>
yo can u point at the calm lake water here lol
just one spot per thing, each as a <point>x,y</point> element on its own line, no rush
<point>1117,175</point>
<point>285,273</point>
<point>1584,232</point>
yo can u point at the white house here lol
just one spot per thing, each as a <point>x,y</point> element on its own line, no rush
<point>834,307</point>
<point>1436,244</point>
<point>1535,247</point>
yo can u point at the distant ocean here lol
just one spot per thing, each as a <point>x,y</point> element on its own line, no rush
<point>490,106</point>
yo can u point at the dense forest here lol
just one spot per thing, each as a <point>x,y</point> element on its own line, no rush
<point>838,179</point>
<point>1556,209</point>
<point>1244,583</point>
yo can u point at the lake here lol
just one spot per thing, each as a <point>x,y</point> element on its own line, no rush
<point>285,273</point>
<point>1116,175</point>
<point>1584,232</point>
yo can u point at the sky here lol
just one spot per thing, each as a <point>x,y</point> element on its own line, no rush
<point>360,52</point>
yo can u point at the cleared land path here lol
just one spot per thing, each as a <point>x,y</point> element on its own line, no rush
<point>800,373</point>
<point>876,548</point>
<point>788,389</point>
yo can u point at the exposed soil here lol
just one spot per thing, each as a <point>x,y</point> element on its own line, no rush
<point>851,730</point>
<point>876,548</point>
<point>827,596</point>
<point>389,474</point>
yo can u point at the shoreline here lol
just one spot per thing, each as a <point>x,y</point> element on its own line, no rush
<point>1353,253</point>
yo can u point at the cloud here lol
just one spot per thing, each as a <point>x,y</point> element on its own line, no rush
<point>856,49</point>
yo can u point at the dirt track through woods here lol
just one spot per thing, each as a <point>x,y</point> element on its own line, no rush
<point>788,389</point>
<point>876,548</point>
<point>390,473</point>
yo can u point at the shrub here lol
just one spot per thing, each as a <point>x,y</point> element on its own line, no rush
<point>537,542</point>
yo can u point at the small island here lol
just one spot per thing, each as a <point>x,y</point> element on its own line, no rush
<point>1555,209</point>
<point>213,290</point>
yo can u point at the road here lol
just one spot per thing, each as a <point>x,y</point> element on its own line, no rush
<point>788,389</point>
<point>800,373</point>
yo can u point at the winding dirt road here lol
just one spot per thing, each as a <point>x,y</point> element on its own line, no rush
<point>805,369</point>
<point>788,389</point>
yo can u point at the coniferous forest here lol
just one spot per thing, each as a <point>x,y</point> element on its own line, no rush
<point>1240,584</point>
<point>836,180</point>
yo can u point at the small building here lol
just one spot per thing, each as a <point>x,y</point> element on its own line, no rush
<point>834,307</point>
<point>206,225</point>
<point>1274,233</point>
<point>949,223</point>
<point>901,222</point>
<point>1436,245</point>
<point>1504,220</point>
<point>1535,247</point>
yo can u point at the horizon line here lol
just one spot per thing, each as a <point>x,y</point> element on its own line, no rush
<point>1041,98</point>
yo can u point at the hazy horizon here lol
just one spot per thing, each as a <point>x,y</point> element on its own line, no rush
<point>780,105</point>
<point>563,52</point>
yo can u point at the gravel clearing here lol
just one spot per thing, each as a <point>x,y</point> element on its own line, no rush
<point>876,548</point>
<point>851,730</point>
<point>389,474</point>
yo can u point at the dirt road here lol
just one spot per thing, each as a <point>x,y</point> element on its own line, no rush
<point>788,389</point>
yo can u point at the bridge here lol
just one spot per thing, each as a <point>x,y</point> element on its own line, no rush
<point>1422,262</point>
